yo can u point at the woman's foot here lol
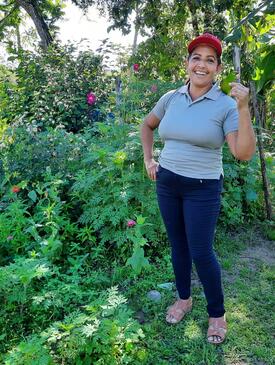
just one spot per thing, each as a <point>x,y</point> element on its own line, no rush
<point>216,330</point>
<point>178,310</point>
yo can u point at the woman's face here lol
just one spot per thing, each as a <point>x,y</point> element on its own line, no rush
<point>202,66</point>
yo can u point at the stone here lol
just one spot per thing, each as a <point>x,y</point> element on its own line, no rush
<point>154,295</point>
<point>167,286</point>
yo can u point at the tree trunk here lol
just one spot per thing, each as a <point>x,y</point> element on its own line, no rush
<point>261,152</point>
<point>118,97</point>
<point>136,31</point>
<point>18,39</point>
<point>208,17</point>
<point>31,7</point>
<point>192,8</point>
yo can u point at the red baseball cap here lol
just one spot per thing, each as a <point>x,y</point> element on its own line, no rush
<point>208,39</point>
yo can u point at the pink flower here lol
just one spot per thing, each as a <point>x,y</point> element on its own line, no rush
<point>154,88</point>
<point>91,98</point>
<point>15,189</point>
<point>135,67</point>
<point>9,238</point>
<point>131,223</point>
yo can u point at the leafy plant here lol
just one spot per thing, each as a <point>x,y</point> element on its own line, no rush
<point>104,334</point>
<point>51,88</point>
<point>113,188</point>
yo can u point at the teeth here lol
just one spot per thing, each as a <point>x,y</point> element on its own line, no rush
<point>200,73</point>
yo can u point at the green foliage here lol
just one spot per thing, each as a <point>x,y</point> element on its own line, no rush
<point>56,149</point>
<point>13,221</point>
<point>137,260</point>
<point>17,277</point>
<point>139,96</point>
<point>225,87</point>
<point>242,197</point>
<point>65,235</point>
<point>113,188</point>
<point>265,69</point>
<point>30,353</point>
<point>18,283</point>
<point>103,334</point>
<point>44,14</point>
<point>40,224</point>
<point>51,88</point>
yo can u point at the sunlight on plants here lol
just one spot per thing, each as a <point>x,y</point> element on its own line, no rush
<point>193,331</point>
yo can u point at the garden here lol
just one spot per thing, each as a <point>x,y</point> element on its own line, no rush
<point>85,268</point>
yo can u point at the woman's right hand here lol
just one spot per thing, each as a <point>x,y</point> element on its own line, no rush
<point>151,168</point>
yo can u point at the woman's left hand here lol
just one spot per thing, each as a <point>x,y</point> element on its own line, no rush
<point>240,93</point>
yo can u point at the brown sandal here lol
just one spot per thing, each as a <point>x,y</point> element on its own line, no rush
<point>178,310</point>
<point>217,329</point>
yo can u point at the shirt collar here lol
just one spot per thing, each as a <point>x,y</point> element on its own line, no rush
<point>213,93</point>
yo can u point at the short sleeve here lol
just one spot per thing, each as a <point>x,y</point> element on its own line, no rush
<point>231,122</point>
<point>160,108</point>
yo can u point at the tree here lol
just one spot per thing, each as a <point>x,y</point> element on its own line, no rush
<point>43,13</point>
<point>254,33</point>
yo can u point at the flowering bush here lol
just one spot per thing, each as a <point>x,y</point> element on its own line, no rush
<point>135,67</point>
<point>131,223</point>
<point>113,186</point>
<point>15,189</point>
<point>53,89</point>
<point>91,98</point>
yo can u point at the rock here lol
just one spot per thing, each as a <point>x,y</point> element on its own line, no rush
<point>154,295</point>
<point>167,286</point>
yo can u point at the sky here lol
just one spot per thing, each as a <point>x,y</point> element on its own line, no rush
<point>76,26</point>
<point>92,26</point>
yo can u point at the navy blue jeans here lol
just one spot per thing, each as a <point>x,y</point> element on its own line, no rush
<point>190,208</point>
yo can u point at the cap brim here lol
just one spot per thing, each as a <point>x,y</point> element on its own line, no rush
<point>207,41</point>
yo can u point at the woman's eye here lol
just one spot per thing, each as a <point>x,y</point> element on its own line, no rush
<point>211,61</point>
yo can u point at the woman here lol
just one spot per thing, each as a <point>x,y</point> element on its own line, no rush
<point>194,121</point>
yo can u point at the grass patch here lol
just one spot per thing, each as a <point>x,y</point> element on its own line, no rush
<point>248,274</point>
<point>248,300</point>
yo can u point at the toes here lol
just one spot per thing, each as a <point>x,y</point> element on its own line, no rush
<point>215,339</point>
<point>170,318</point>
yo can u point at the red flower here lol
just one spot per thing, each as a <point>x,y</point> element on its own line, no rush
<point>131,223</point>
<point>15,189</point>
<point>135,67</point>
<point>154,88</point>
<point>91,98</point>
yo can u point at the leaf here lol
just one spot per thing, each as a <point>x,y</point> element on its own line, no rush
<point>267,68</point>
<point>251,195</point>
<point>225,87</point>
<point>137,260</point>
<point>234,36</point>
<point>32,195</point>
<point>140,219</point>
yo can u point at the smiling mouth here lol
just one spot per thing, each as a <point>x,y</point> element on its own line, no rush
<point>200,73</point>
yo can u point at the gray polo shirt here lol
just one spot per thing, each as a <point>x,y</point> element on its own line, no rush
<point>194,131</point>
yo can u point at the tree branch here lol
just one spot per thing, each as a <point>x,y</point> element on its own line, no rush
<point>253,12</point>
<point>8,15</point>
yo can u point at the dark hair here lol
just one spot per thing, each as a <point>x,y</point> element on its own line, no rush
<point>218,57</point>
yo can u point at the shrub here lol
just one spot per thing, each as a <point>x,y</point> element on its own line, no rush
<point>138,97</point>
<point>51,89</point>
<point>242,197</point>
<point>13,238</point>
<point>26,153</point>
<point>113,188</point>
<point>104,334</point>
<point>40,224</point>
